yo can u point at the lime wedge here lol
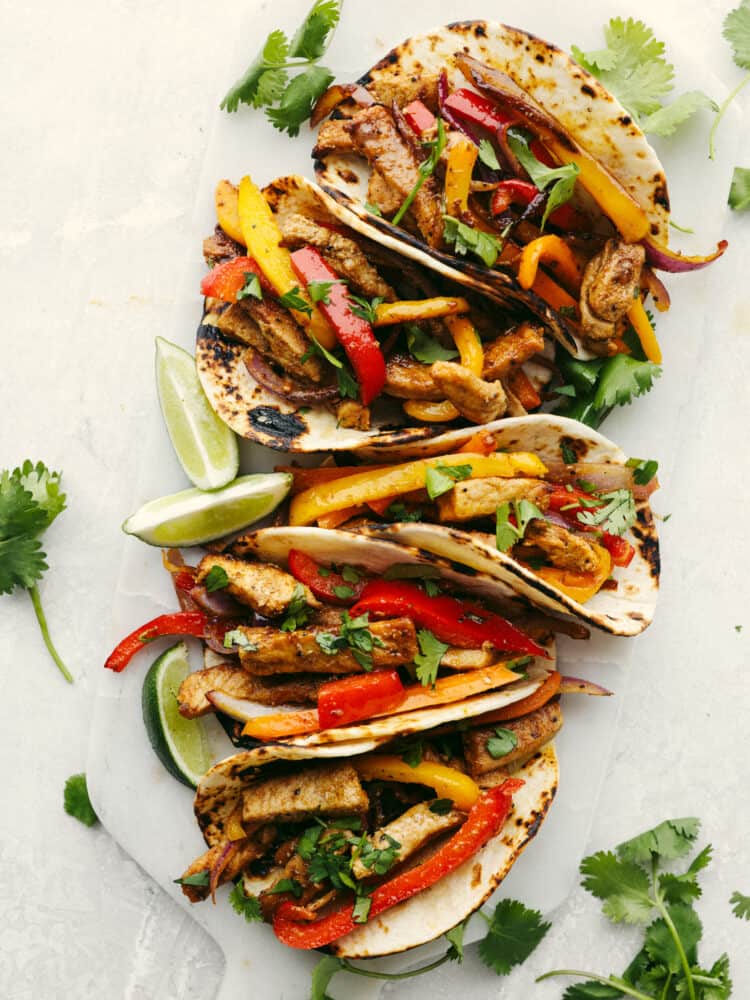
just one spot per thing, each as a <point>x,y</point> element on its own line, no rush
<point>205,445</point>
<point>193,517</point>
<point>180,744</point>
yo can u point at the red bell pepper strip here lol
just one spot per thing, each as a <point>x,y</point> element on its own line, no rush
<point>307,571</point>
<point>229,277</point>
<point>419,117</point>
<point>476,109</point>
<point>459,623</point>
<point>360,696</point>
<point>620,549</point>
<point>485,820</point>
<point>353,332</point>
<point>567,503</point>
<point>180,623</point>
<point>514,191</point>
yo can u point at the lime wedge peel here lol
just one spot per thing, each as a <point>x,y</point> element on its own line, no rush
<point>194,516</point>
<point>206,447</point>
<point>180,744</point>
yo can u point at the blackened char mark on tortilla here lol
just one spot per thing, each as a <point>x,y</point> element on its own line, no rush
<point>648,542</point>
<point>278,429</point>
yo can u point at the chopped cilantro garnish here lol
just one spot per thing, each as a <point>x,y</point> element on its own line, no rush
<point>441,478</point>
<point>466,240</point>
<point>298,612</point>
<point>251,288</point>
<point>427,660</point>
<point>216,579</point>
<point>293,300</point>
<point>425,348</point>
<point>502,743</point>
<point>507,533</point>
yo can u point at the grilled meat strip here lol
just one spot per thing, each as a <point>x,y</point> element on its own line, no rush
<point>532,731</point>
<point>219,247</point>
<point>511,349</point>
<point>376,136</point>
<point>563,549</point>
<point>322,790</point>
<point>266,589</point>
<point>409,379</point>
<point>477,400</point>
<point>245,851</point>
<point>297,690</point>
<point>610,282</point>
<point>334,136</point>
<point>380,193</point>
<point>299,652</point>
<point>350,413</point>
<point>412,830</point>
<point>474,498</point>
<point>273,332</point>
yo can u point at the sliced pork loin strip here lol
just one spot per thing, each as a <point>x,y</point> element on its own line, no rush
<point>382,194</point>
<point>476,498</point>
<point>273,332</point>
<point>532,731</point>
<point>610,282</point>
<point>319,790</point>
<point>409,379</point>
<point>219,247</point>
<point>266,589</point>
<point>334,136</point>
<point>476,400</point>
<point>300,652</point>
<point>300,689</point>
<point>512,349</point>
<point>376,136</point>
<point>412,830</point>
<point>341,252</point>
<point>350,413</point>
<point>561,547</point>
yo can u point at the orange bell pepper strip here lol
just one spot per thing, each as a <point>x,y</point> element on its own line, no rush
<point>461,158</point>
<point>552,293</point>
<point>540,697</point>
<point>226,200</point>
<point>520,385</point>
<point>411,311</point>
<point>446,782</point>
<point>337,517</point>
<point>262,237</point>
<point>481,443</point>
<point>642,326</point>
<point>312,503</point>
<point>282,724</point>
<point>552,250</point>
<point>580,586</point>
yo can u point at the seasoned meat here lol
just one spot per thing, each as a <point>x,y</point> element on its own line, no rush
<point>323,790</point>
<point>532,731</point>
<point>342,254</point>
<point>220,247</point>
<point>477,400</point>
<point>475,498</point>
<point>380,193</point>
<point>610,282</point>
<point>511,349</point>
<point>409,379</point>
<point>266,589</point>
<point>561,547</point>
<point>245,851</point>
<point>469,659</point>
<point>350,413</point>
<point>239,683</point>
<point>273,332</point>
<point>412,830</point>
<point>334,136</point>
<point>299,652</point>
<point>376,136</point>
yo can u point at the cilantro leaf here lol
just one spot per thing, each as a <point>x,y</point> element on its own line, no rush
<point>455,936</point>
<point>621,379</point>
<point>202,879</point>
<point>427,660</point>
<point>251,288</point>
<point>412,754</point>
<point>286,885</point>
<point>560,180</point>
<point>361,910</point>
<point>293,300</point>
<point>298,612</point>
<point>22,563</point>
<point>425,348</point>
<point>298,99</point>
<point>487,154</point>
<point>592,991</point>
<point>672,839</point>
<point>365,308</point>
<point>320,291</point>
<point>246,906</point>
<point>615,516</point>
<point>666,120</point>
<point>441,807</point>
<point>441,478</point>
<point>740,905</point>
<point>322,975</point>
<point>235,637</point>
<point>245,91</point>
<point>216,579</point>
<point>502,743</point>
<point>426,169</point>
<point>739,193</point>
<point>380,860</point>
<point>736,30</point>
<point>399,512</point>
<point>507,533</point>
<point>20,513</point>
<point>77,802</point>
<point>466,240</point>
<point>514,932</point>
<point>568,454</point>
<point>44,487</point>
<point>622,885</point>
<point>311,37</point>
<point>343,592</point>
<point>644,470</point>
<point>661,946</point>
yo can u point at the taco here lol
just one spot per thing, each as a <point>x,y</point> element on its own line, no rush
<point>319,334</point>
<point>372,854</point>
<point>481,142</point>
<point>545,505</point>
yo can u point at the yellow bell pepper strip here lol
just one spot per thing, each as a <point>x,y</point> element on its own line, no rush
<point>389,313</point>
<point>472,357</point>
<point>549,250</point>
<point>234,828</point>
<point>262,238</point>
<point>227,210</point>
<point>642,326</point>
<point>425,412</point>
<point>462,156</point>
<point>580,586</point>
<point>350,491</point>
<point>446,782</point>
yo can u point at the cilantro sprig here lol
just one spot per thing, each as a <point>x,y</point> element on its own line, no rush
<point>246,906</point>
<point>635,889</point>
<point>266,83</point>
<point>354,637</point>
<point>506,532</point>
<point>736,30</point>
<point>467,240</point>
<point>30,500</point>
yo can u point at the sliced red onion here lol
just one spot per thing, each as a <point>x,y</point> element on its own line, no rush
<point>218,867</point>
<point>576,685</point>
<point>285,387</point>
<point>677,263</point>
<point>658,291</point>
<point>216,603</point>
<point>603,476</point>
<point>216,629</point>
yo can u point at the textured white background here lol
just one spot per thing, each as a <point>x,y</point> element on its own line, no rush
<point>105,112</point>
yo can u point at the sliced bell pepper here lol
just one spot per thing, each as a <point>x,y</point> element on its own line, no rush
<point>462,155</point>
<point>520,385</point>
<point>179,623</point>
<point>389,313</point>
<point>553,251</point>
<point>467,342</point>
<point>553,294</point>
<point>262,237</point>
<point>309,505</point>
<point>514,191</point>
<point>337,517</point>
<point>424,411</point>
<point>227,211</point>
<point>226,279</point>
<point>307,571</point>
<point>485,820</point>
<point>360,696</point>
<point>234,828</point>
<point>476,109</point>
<point>546,692</point>
<point>620,550</point>
<point>446,782</point>
<point>459,623</point>
<point>419,117</point>
<point>580,586</point>
<point>481,443</point>
<point>353,332</point>
<point>645,332</point>
<point>303,478</point>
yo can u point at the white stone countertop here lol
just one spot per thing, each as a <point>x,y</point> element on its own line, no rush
<point>105,113</point>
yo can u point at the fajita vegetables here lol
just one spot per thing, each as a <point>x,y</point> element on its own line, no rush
<point>503,158</point>
<point>548,506</point>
